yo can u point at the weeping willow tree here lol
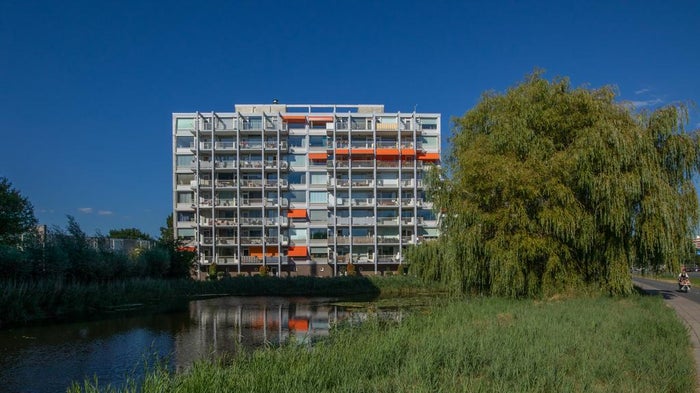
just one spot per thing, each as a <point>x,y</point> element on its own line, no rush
<point>548,186</point>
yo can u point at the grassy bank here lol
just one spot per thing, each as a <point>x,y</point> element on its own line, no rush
<point>22,302</point>
<point>634,344</point>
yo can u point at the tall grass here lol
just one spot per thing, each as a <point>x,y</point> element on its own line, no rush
<point>27,301</point>
<point>634,344</point>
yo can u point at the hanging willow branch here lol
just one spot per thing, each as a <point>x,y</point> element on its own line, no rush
<point>551,186</point>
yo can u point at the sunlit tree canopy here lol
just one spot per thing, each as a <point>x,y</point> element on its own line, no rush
<point>548,186</point>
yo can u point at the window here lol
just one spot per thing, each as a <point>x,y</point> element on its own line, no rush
<point>317,141</point>
<point>319,178</point>
<point>225,123</point>
<point>318,215</point>
<point>184,142</point>
<point>298,234</point>
<point>318,197</point>
<point>430,142</point>
<point>296,178</point>
<point>253,123</point>
<point>319,233</point>
<point>184,179</point>
<point>185,216</point>
<point>296,196</point>
<point>296,160</point>
<point>184,197</point>
<point>184,124</point>
<point>429,123</point>
<point>184,161</point>
<point>319,252</point>
<point>185,233</point>
<point>297,141</point>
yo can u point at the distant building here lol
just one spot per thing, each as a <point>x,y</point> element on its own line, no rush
<point>125,246</point>
<point>303,189</point>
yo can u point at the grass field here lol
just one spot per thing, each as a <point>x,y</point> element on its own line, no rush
<point>581,344</point>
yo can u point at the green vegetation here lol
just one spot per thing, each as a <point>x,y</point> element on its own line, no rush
<point>16,214</point>
<point>129,233</point>
<point>600,344</point>
<point>552,187</point>
<point>28,301</point>
<point>69,255</point>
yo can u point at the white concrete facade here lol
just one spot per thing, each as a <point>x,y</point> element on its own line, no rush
<point>303,189</point>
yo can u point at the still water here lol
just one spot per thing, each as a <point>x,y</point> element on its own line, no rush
<point>49,358</point>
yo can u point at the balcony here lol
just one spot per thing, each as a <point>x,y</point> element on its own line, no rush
<point>384,202</point>
<point>363,240</point>
<point>251,183</point>
<point>225,146</point>
<point>362,164</point>
<point>227,260</point>
<point>389,183</point>
<point>384,239</point>
<point>251,220</point>
<point>275,146</point>
<point>275,164</point>
<point>244,164</point>
<point>248,145</point>
<point>224,183</point>
<point>387,127</point>
<point>257,240</point>
<point>276,220</point>
<point>252,202</point>
<point>366,221</point>
<point>342,183</point>
<point>250,260</point>
<point>363,202</point>
<point>387,164</point>
<point>226,241</point>
<point>387,220</point>
<point>276,183</point>
<point>339,220</point>
<point>362,183</point>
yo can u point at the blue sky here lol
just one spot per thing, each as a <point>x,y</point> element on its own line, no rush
<point>87,88</point>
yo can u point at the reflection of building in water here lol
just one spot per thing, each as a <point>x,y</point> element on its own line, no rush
<point>232,324</point>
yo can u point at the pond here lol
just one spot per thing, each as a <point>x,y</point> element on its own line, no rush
<point>48,358</point>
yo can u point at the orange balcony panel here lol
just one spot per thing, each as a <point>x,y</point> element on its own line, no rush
<point>298,324</point>
<point>387,152</point>
<point>408,152</point>
<point>255,251</point>
<point>429,156</point>
<point>362,151</point>
<point>187,248</point>
<point>294,118</point>
<point>321,119</point>
<point>296,213</point>
<point>298,251</point>
<point>342,152</point>
<point>318,156</point>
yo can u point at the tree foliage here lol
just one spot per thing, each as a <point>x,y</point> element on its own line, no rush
<point>16,214</point>
<point>129,233</point>
<point>552,186</point>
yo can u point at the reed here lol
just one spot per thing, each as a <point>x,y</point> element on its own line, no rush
<point>30,301</point>
<point>587,344</point>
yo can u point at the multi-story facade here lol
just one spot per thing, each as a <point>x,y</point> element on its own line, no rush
<point>303,189</point>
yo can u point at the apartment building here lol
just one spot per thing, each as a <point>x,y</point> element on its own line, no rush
<point>303,189</point>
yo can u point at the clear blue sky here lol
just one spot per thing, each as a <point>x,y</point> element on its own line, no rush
<point>87,88</point>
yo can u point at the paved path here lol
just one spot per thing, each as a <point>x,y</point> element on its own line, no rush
<point>687,307</point>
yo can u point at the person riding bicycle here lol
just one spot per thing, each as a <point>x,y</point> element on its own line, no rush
<point>683,278</point>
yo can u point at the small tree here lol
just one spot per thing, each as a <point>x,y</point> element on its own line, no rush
<point>16,214</point>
